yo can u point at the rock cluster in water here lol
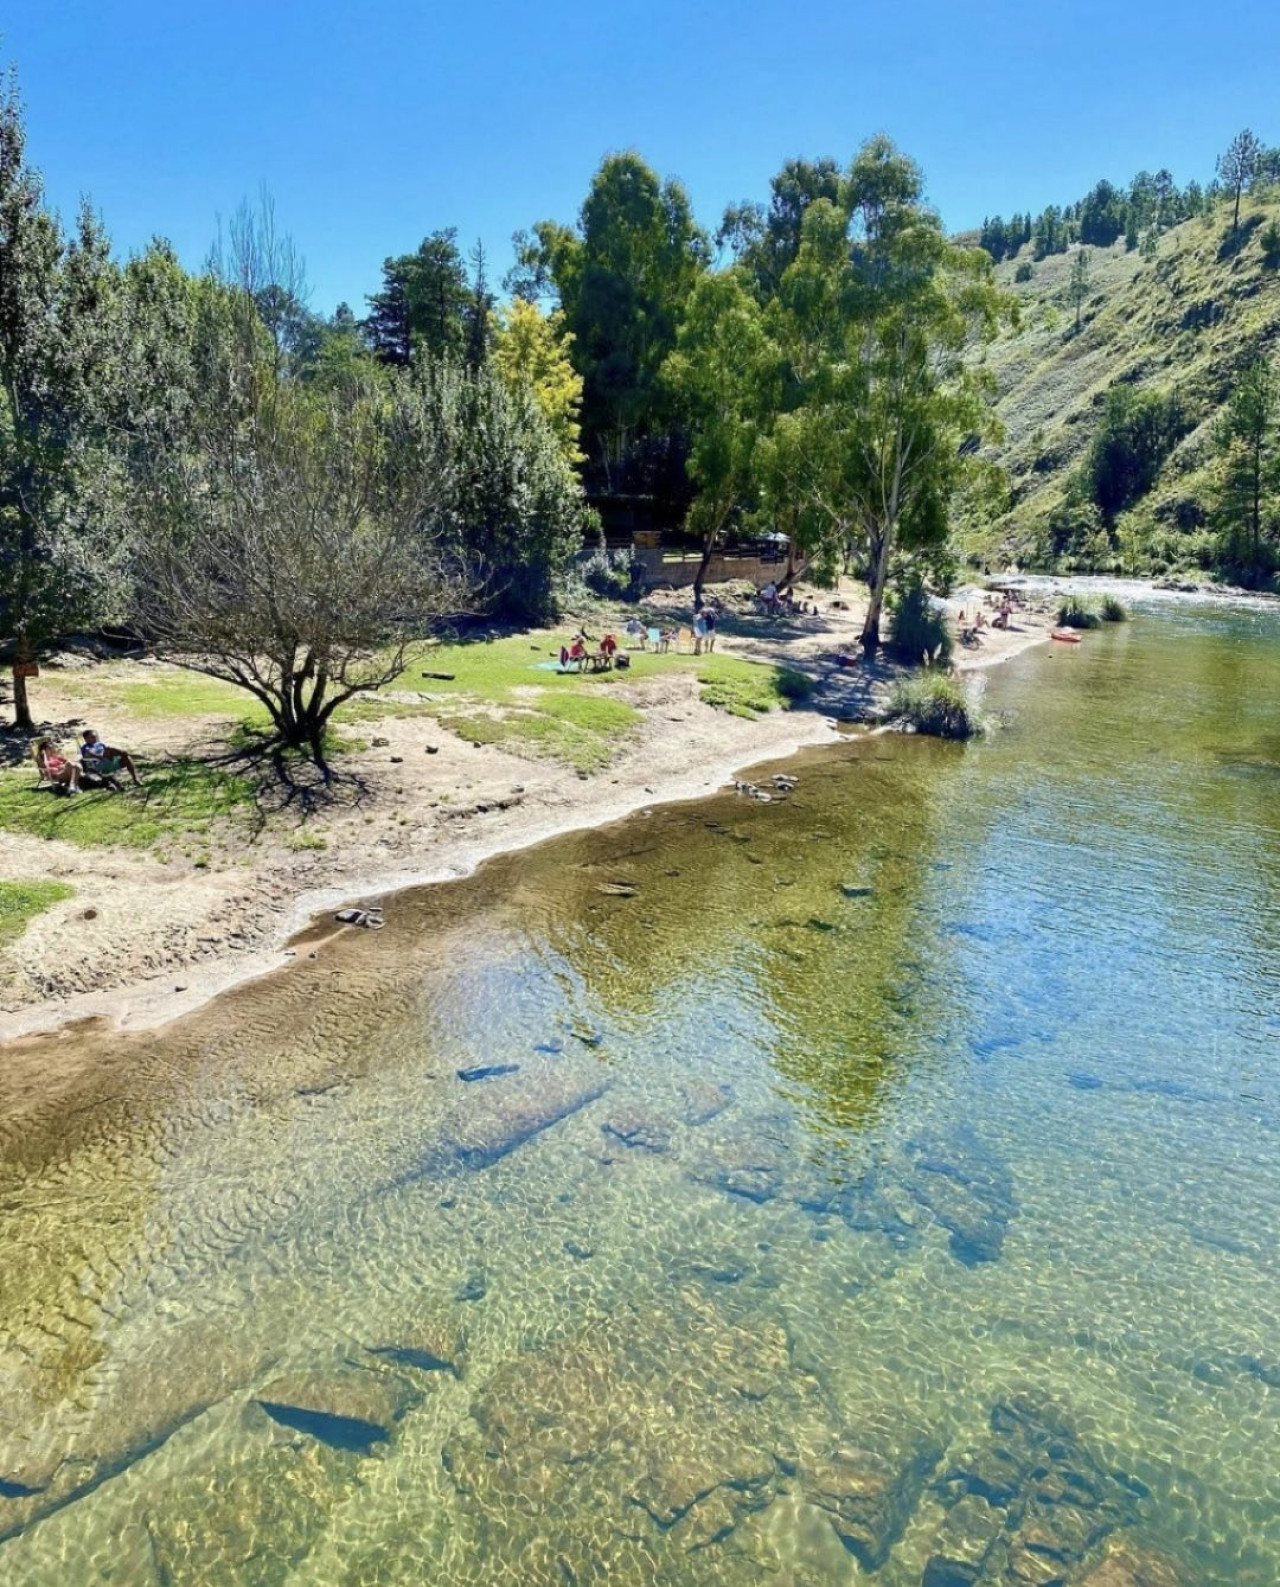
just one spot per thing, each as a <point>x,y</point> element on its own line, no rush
<point>952,1179</point>
<point>1032,1507</point>
<point>640,1452</point>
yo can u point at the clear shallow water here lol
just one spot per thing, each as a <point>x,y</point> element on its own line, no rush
<point>911,1198</point>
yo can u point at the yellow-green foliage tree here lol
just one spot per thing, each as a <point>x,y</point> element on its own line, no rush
<point>531,350</point>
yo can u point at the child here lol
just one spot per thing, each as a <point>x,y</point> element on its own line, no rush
<point>96,758</point>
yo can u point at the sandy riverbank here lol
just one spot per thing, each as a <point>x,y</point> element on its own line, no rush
<point>144,940</point>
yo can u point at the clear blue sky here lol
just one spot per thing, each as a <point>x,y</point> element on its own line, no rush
<point>374,123</point>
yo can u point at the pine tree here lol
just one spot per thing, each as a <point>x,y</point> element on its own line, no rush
<point>1238,166</point>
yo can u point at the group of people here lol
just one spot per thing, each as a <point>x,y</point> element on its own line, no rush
<point>784,604</point>
<point>705,623</point>
<point>98,762</point>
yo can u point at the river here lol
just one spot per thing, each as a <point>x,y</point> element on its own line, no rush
<point>879,1183</point>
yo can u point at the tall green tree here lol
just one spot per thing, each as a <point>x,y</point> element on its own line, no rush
<point>878,311</point>
<point>1237,166</point>
<point>424,302</point>
<point>1078,283</point>
<point>764,241</point>
<point>1248,495</point>
<point>59,369</point>
<point>726,375</point>
<point>622,275</point>
<point>514,502</point>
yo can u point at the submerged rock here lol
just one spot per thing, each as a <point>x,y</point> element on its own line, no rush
<point>488,1071</point>
<point>48,1461</point>
<point>351,1410</point>
<point>1029,1506</point>
<point>640,1452</point>
<point>967,1188</point>
<point>870,1496</point>
<point>1127,1566</point>
<point>702,1100</point>
<point>635,1128</point>
<point>475,1137</point>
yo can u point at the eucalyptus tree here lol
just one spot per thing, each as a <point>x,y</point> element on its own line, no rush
<point>765,240</point>
<point>726,376</point>
<point>880,313</point>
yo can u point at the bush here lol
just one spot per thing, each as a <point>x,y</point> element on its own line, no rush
<point>1073,613</point>
<point>1024,272</point>
<point>935,703</point>
<point>916,626</point>
<point>1111,610</point>
<point>613,575</point>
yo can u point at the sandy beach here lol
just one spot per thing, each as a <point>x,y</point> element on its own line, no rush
<point>144,940</point>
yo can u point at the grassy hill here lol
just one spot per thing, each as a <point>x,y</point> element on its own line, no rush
<point>1186,322</point>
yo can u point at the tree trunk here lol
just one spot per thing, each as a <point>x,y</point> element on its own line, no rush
<point>870,637</point>
<point>701,575</point>
<point>22,719</point>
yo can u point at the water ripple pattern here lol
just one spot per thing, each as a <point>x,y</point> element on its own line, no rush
<point>875,1185</point>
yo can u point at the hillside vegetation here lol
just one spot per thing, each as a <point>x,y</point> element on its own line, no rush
<point>1178,323</point>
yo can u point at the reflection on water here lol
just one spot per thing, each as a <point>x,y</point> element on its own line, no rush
<point>878,1184</point>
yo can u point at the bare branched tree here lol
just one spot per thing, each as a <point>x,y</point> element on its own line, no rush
<point>262,267</point>
<point>295,544</point>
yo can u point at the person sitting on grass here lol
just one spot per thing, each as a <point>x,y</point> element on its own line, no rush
<point>101,761</point>
<point>54,768</point>
<point>608,646</point>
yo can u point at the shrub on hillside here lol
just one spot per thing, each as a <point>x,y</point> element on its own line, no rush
<point>1073,613</point>
<point>935,703</point>
<point>1024,271</point>
<point>916,626</point>
<point>1112,610</point>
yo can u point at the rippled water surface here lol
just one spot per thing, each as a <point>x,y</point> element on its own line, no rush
<point>878,1184</point>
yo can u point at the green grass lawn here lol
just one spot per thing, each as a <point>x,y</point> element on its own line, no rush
<point>21,902</point>
<point>180,801</point>
<point>749,689</point>
<point>502,693</point>
<point>164,692</point>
